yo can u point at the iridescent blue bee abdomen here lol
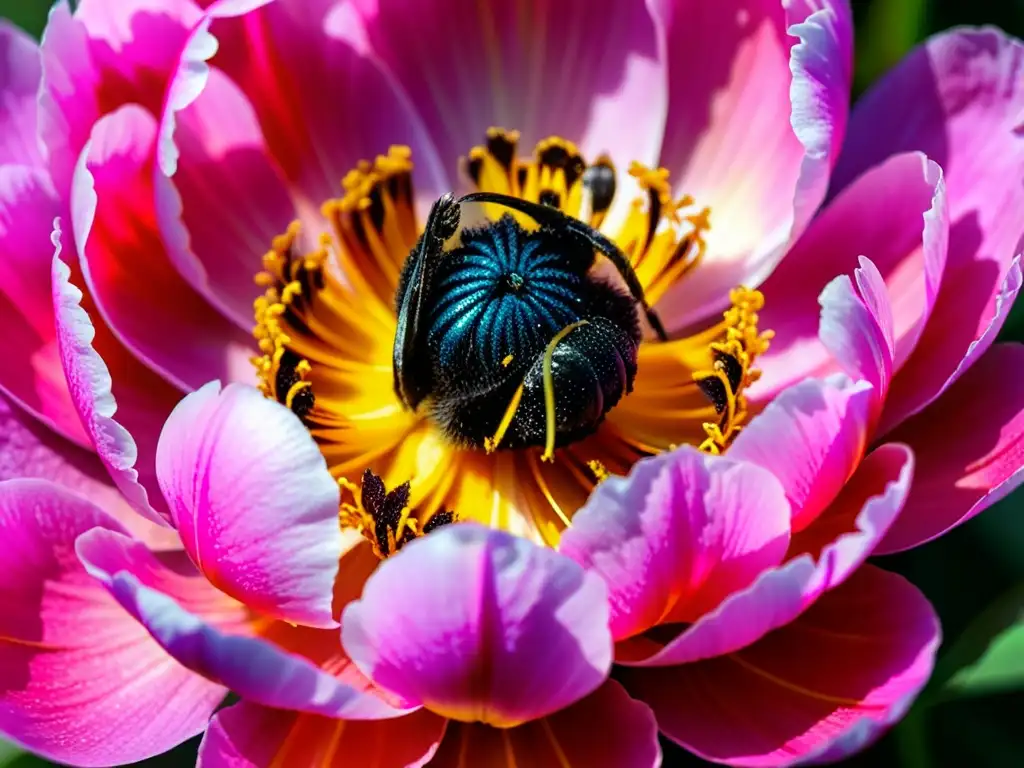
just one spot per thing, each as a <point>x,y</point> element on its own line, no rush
<point>505,292</point>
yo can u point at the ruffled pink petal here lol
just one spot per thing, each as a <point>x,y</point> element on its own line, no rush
<point>80,681</point>
<point>220,197</point>
<point>857,327</point>
<point>854,662</point>
<point>126,445</point>
<point>969,446</point>
<point>477,624</point>
<point>678,535</point>
<point>544,68</point>
<point>322,101</point>
<point>20,71</point>
<point>142,400</point>
<point>957,98</point>
<point>823,557</point>
<point>31,372</point>
<point>250,736</point>
<point>146,303</point>
<point>607,729</point>
<point>102,57</point>
<point>254,668</point>
<point>28,449</point>
<point>811,437</point>
<point>896,215</point>
<point>755,134</point>
<point>251,496</point>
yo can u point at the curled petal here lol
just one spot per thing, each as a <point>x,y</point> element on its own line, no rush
<point>811,437</point>
<point>969,446</point>
<point>250,736</point>
<point>823,557</point>
<point>127,445</point>
<point>827,683</point>
<point>607,729</point>
<point>255,669</point>
<point>477,624</point>
<point>252,499</point>
<point>756,134</point>
<point>80,681</point>
<point>678,535</point>
<point>958,98</point>
<point>151,309</point>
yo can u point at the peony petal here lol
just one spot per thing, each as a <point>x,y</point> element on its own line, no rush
<point>127,446</point>
<point>147,304</point>
<point>250,736</point>
<point>958,98</point>
<point>896,215</point>
<point>28,449</point>
<point>756,134</point>
<point>225,199</point>
<point>969,446</point>
<point>251,667</point>
<point>102,57</point>
<point>822,427</point>
<point>678,535</point>
<point>854,661</point>
<point>32,372</point>
<point>80,681</point>
<point>251,496</point>
<point>823,557</point>
<point>607,729</point>
<point>492,64</point>
<point>20,71</point>
<point>477,624</point>
<point>285,56</point>
<point>857,327</point>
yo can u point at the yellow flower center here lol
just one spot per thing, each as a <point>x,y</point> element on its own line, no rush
<point>326,326</point>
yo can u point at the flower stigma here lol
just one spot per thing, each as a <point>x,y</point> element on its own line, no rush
<point>326,327</point>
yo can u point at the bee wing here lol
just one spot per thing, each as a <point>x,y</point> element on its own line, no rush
<point>545,214</point>
<point>442,222</point>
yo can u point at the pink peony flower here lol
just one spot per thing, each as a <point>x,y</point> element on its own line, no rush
<point>190,148</point>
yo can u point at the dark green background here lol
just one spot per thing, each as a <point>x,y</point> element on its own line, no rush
<point>974,576</point>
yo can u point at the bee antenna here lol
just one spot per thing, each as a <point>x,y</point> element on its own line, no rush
<point>546,214</point>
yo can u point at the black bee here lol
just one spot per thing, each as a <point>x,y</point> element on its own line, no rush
<point>509,336</point>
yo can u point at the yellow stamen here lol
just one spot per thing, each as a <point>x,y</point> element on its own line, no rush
<point>549,389</point>
<point>600,470</point>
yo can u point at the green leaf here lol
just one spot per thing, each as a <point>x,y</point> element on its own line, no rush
<point>988,657</point>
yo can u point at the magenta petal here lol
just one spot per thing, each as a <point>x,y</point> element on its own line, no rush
<point>756,134</point>
<point>251,496</point>
<point>250,736</point>
<point>30,450</point>
<point>830,551</point>
<point>678,535</point>
<point>285,56</point>
<point>31,372</point>
<point>857,327</point>
<point>969,446</point>
<point>896,215</point>
<point>501,52</point>
<point>958,98</point>
<point>104,56</point>
<point>19,86</point>
<point>607,729</point>
<point>253,668</point>
<point>811,437</point>
<point>127,445</point>
<point>80,681</point>
<point>153,311</point>
<point>852,663</point>
<point>221,199</point>
<point>477,624</point>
